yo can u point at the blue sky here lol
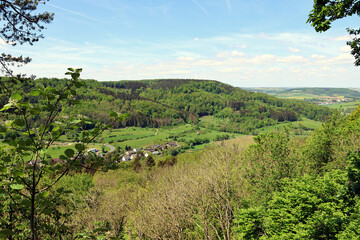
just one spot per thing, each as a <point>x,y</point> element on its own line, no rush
<point>245,43</point>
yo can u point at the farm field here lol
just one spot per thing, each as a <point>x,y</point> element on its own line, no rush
<point>333,97</point>
<point>137,137</point>
<point>143,137</point>
<point>345,108</point>
<point>303,127</point>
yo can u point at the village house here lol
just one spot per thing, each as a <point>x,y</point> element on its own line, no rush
<point>172,144</point>
<point>129,152</point>
<point>157,147</point>
<point>137,149</point>
<point>149,149</point>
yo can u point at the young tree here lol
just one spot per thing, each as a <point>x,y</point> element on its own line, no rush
<point>27,175</point>
<point>327,11</point>
<point>149,161</point>
<point>29,206</point>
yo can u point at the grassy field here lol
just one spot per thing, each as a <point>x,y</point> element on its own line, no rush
<point>345,108</point>
<point>303,127</point>
<point>143,137</point>
<point>57,150</point>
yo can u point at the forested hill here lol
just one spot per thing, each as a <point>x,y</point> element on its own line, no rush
<point>155,103</point>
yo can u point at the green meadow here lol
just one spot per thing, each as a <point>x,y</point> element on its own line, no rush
<point>143,137</point>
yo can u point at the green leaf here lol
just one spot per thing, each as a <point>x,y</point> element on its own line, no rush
<point>76,121</point>
<point>113,114</point>
<point>3,129</point>
<point>69,152</point>
<point>7,106</point>
<point>9,123</point>
<point>71,69</point>
<point>55,129</point>
<point>43,151</point>
<point>6,159</point>
<point>17,186</point>
<point>18,173</point>
<point>35,93</point>
<point>26,202</point>
<point>34,111</point>
<point>45,194</point>
<point>79,147</point>
<point>123,117</point>
<point>16,96</point>
<point>19,122</point>
<point>3,169</point>
<point>6,232</point>
<point>78,84</point>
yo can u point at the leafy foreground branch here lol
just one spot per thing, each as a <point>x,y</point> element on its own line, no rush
<point>31,209</point>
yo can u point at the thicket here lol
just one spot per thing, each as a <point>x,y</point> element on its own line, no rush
<point>279,187</point>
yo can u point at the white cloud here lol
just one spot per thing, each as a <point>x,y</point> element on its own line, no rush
<point>185,58</point>
<point>222,55</point>
<point>292,59</point>
<point>342,38</point>
<point>294,50</point>
<point>264,63</point>
<point>345,56</point>
<point>262,35</point>
<point>237,53</point>
<point>345,49</point>
<point>316,56</point>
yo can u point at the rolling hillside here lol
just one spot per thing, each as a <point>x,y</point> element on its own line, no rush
<point>169,102</point>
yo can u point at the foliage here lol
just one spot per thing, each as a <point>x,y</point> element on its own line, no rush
<point>327,11</point>
<point>272,158</point>
<point>328,146</point>
<point>21,23</point>
<point>157,105</point>
<point>322,145</point>
<point>27,173</point>
<point>149,162</point>
<point>309,207</point>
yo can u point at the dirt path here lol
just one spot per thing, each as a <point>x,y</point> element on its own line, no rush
<point>112,148</point>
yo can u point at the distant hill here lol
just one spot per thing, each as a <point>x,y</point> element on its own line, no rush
<point>332,92</point>
<point>169,102</point>
<point>309,92</point>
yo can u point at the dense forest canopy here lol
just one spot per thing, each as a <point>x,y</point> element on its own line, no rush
<point>156,103</point>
